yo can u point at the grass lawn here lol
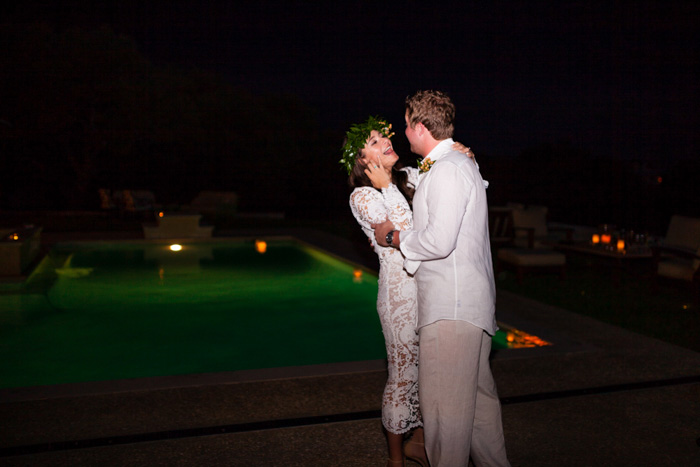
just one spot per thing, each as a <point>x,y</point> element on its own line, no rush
<point>669,314</point>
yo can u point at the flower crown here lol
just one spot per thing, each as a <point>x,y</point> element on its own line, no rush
<point>357,137</point>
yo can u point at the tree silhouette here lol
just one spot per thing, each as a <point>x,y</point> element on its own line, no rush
<point>84,109</point>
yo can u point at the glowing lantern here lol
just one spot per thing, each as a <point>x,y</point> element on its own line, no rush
<point>595,239</point>
<point>357,273</point>
<point>161,214</point>
<point>605,238</point>
<point>175,247</point>
<point>260,246</point>
<point>14,236</point>
<point>620,245</point>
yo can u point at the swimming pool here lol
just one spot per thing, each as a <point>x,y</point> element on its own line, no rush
<point>103,311</point>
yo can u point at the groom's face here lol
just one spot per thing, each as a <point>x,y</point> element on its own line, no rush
<point>412,136</point>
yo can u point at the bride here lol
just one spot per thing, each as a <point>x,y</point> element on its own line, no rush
<point>384,191</point>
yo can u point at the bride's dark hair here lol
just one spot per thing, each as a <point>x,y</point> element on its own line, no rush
<point>359,178</point>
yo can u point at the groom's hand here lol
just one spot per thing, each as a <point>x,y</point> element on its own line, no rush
<point>380,231</point>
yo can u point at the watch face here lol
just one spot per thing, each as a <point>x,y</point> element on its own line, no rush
<point>390,237</point>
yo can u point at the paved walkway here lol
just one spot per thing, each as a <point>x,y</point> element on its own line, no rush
<point>600,396</point>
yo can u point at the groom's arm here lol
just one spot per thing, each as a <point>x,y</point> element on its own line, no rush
<point>382,230</point>
<point>447,197</point>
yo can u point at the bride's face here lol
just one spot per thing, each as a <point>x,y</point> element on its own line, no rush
<point>378,147</point>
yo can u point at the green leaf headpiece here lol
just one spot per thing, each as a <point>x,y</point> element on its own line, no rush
<point>357,137</point>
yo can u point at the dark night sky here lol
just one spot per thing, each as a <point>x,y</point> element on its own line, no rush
<point>617,78</point>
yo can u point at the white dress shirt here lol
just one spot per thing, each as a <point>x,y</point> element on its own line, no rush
<point>448,251</point>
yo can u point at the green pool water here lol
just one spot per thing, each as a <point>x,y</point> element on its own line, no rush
<point>104,311</point>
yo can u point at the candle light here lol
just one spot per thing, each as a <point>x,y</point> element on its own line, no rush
<point>605,238</point>
<point>595,239</point>
<point>621,245</point>
<point>260,246</point>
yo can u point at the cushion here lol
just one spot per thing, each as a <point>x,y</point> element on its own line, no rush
<point>676,268</point>
<point>683,232</point>
<point>531,217</point>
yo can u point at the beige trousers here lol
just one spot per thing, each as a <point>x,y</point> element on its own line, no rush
<point>458,397</point>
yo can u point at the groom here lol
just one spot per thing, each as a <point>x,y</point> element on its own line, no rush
<point>449,253</point>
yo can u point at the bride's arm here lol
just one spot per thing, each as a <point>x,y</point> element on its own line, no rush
<point>370,206</point>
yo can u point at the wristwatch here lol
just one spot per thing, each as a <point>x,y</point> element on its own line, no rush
<point>390,237</point>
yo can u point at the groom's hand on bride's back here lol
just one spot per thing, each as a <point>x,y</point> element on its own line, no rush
<point>380,231</point>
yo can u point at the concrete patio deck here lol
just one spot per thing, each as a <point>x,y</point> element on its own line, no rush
<point>600,396</point>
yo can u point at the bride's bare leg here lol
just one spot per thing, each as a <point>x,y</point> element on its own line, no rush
<point>415,448</point>
<point>395,445</point>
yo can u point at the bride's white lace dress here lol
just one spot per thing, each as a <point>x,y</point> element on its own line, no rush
<point>396,304</point>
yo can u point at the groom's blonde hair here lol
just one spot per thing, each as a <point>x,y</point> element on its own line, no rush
<point>435,110</point>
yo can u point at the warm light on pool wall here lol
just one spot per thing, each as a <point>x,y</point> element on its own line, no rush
<point>357,275</point>
<point>620,245</point>
<point>175,247</point>
<point>260,246</point>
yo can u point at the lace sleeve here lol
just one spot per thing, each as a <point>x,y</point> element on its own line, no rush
<point>370,206</point>
<point>398,210</point>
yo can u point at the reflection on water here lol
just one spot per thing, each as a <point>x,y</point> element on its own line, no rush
<point>187,256</point>
<point>516,339</point>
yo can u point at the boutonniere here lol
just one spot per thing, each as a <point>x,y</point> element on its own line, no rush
<point>425,165</point>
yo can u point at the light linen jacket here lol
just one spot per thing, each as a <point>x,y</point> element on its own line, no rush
<point>448,249</point>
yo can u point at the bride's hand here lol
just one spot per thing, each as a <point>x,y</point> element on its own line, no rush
<point>463,149</point>
<point>379,177</point>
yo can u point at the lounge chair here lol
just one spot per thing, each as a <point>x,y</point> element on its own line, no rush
<point>677,257</point>
<point>531,249</point>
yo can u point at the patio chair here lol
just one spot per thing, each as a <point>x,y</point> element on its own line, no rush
<point>531,249</point>
<point>531,228</point>
<point>677,258</point>
<point>501,226</point>
<point>106,201</point>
